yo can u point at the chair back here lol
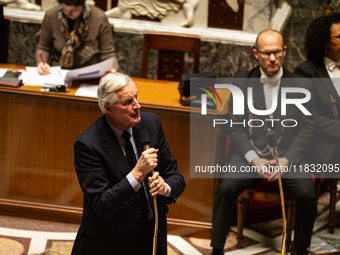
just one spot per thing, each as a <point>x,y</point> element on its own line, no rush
<point>171,49</point>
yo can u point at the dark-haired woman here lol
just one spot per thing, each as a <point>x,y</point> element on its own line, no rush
<point>322,45</point>
<point>74,34</point>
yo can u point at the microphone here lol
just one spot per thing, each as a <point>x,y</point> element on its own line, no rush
<point>272,142</point>
<point>145,139</point>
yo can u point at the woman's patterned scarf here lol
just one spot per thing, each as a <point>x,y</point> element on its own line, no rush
<point>76,41</point>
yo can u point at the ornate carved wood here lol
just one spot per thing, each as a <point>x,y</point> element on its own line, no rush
<point>220,15</point>
<point>171,49</point>
<point>170,65</point>
<point>102,4</point>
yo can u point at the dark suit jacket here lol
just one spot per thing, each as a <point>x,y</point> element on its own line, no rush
<point>295,140</point>
<point>111,220</point>
<point>328,129</point>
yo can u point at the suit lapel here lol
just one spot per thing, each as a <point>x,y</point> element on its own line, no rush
<point>258,93</point>
<point>277,113</point>
<point>258,96</point>
<point>322,73</point>
<point>285,82</point>
<point>112,147</point>
<point>136,129</point>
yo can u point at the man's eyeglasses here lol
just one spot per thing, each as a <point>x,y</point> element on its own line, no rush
<point>267,54</point>
<point>337,36</point>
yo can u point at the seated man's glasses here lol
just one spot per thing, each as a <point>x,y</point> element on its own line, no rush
<point>267,54</point>
<point>336,36</point>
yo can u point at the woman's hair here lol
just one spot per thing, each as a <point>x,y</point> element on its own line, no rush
<point>72,2</point>
<point>318,35</point>
<point>109,85</point>
<point>48,252</point>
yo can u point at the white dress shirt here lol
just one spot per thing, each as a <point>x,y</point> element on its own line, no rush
<point>333,70</point>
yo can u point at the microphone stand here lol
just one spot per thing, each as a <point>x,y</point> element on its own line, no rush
<point>154,249</point>
<point>275,154</point>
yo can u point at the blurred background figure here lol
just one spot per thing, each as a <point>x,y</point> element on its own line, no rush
<point>48,252</point>
<point>322,46</point>
<point>73,35</point>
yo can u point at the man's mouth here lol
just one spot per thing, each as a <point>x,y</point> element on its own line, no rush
<point>136,115</point>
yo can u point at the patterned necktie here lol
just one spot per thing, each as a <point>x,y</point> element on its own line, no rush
<point>131,158</point>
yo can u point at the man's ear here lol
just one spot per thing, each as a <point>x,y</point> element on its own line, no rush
<point>255,53</point>
<point>108,108</point>
<point>284,50</point>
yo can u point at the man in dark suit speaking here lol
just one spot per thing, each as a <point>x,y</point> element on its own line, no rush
<point>114,174</point>
<point>249,146</point>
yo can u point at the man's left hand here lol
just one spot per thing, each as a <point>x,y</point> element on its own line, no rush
<point>157,185</point>
<point>283,162</point>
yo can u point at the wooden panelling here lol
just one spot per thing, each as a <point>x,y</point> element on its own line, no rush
<point>37,149</point>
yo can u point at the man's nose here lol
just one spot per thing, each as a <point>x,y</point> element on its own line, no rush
<point>136,104</point>
<point>272,57</point>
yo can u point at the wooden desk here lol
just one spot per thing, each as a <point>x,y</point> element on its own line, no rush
<point>37,133</point>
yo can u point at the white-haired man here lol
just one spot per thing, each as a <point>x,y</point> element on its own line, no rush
<point>118,215</point>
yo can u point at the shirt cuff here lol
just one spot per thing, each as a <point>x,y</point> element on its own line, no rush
<point>136,185</point>
<point>250,156</point>
<point>133,182</point>
<point>169,190</point>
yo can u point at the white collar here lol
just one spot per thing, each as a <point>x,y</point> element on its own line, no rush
<point>330,64</point>
<point>278,75</point>
<point>118,132</point>
<point>273,81</point>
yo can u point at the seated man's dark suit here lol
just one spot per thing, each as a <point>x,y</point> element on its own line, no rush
<point>293,142</point>
<point>326,143</point>
<point>112,217</point>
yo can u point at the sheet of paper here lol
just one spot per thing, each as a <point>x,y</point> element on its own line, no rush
<point>33,78</point>
<point>90,72</point>
<point>86,90</point>
<point>57,75</point>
